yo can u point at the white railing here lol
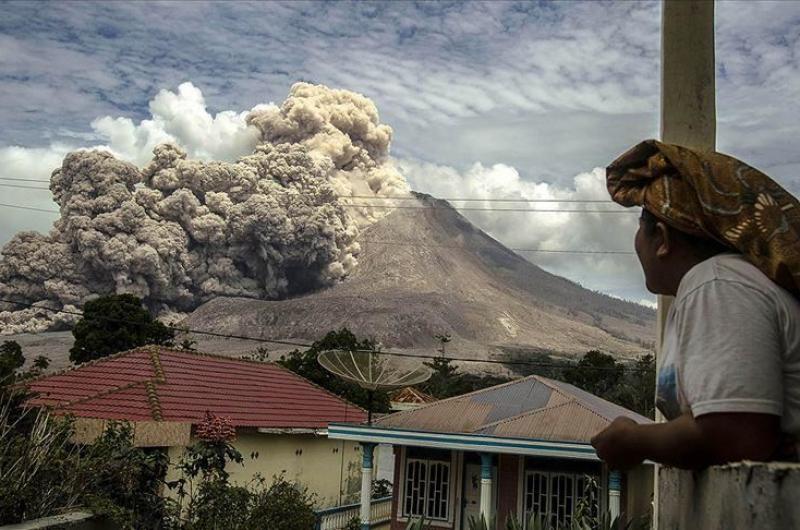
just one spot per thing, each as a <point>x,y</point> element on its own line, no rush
<point>336,518</point>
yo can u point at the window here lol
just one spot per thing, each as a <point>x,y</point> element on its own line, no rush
<point>427,489</point>
<point>557,497</point>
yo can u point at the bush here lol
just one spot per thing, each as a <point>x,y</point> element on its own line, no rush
<point>43,473</point>
<point>206,499</point>
<point>282,506</point>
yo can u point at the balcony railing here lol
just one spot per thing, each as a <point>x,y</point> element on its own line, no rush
<point>336,518</point>
<point>745,495</point>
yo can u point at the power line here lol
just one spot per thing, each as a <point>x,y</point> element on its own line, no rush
<point>457,208</point>
<point>479,209</point>
<point>410,244</point>
<point>20,186</point>
<point>32,208</point>
<point>400,197</point>
<point>24,180</point>
<point>544,250</point>
<point>307,345</point>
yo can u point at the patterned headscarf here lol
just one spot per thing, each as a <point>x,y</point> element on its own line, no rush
<point>714,196</point>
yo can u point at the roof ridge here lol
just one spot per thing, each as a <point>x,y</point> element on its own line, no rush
<point>153,401</point>
<point>103,393</point>
<point>453,398</point>
<point>155,359</point>
<point>207,354</point>
<point>580,402</point>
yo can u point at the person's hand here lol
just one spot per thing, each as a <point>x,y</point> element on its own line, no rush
<point>617,444</point>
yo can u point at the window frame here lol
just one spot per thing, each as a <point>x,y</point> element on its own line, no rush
<point>551,477</point>
<point>403,513</point>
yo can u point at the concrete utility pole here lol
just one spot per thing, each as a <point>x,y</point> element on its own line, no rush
<point>688,88</point>
<point>688,101</point>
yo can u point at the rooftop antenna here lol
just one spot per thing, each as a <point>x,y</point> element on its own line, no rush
<point>373,371</point>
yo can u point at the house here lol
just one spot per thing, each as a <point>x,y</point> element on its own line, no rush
<point>165,392</point>
<point>510,450</point>
<point>409,398</point>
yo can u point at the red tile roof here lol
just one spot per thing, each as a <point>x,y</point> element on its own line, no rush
<point>163,384</point>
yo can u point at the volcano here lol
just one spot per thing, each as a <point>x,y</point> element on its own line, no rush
<point>428,271</point>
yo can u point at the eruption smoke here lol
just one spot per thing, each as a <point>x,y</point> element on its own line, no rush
<point>178,232</point>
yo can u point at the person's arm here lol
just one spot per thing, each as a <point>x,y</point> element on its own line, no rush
<point>688,442</point>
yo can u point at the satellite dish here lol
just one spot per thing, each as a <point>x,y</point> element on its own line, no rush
<point>374,370</point>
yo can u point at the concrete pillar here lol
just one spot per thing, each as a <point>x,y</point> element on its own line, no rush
<point>367,454</point>
<point>688,103</point>
<point>614,492</point>
<point>486,486</point>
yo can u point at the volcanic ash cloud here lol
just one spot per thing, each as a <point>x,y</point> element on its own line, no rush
<point>177,232</point>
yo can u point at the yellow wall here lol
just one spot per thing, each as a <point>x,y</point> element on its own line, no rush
<point>329,468</point>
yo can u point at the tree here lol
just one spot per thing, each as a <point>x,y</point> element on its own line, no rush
<point>636,390</point>
<point>445,379</point>
<point>596,372</point>
<point>115,323</point>
<point>11,359</point>
<point>305,364</point>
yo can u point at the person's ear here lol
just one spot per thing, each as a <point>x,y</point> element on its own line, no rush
<point>662,240</point>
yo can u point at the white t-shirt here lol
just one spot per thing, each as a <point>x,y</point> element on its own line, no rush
<point>731,344</point>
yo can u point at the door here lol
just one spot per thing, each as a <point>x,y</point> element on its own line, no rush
<point>471,504</point>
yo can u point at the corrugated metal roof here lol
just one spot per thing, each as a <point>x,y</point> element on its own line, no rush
<point>156,383</point>
<point>532,407</point>
<point>566,422</point>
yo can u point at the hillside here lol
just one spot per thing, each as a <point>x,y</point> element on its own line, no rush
<point>425,272</point>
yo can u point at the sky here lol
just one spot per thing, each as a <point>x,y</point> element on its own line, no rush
<point>487,100</point>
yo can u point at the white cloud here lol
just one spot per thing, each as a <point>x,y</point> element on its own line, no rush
<point>181,117</point>
<point>616,274</point>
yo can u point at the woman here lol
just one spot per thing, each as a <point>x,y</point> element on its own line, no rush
<point>724,239</point>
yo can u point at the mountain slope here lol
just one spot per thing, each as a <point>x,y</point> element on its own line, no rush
<point>425,272</point>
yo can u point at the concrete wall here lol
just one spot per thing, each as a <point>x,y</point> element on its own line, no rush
<point>745,495</point>
<point>329,468</point>
<point>637,496</point>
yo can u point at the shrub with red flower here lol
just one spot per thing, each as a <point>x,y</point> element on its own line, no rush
<point>215,429</point>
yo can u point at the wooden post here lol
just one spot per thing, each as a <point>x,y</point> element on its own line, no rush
<point>688,103</point>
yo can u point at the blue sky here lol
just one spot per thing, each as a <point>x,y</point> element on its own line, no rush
<point>494,97</point>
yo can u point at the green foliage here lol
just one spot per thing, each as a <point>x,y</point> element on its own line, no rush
<point>381,488</point>
<point>261,354</point>
<point>115,323</point>
<point>628,384</point>
<point>416,524</point>
<point>480,523</point>
<point>124,482</point>
<point>209,460</point>
<point>43,473</point>
<point>283,506</point>
<point>11,360</point>
<point>353,524</point>
<point>448,381</point>
<point>305,364</point>
<point>596,372</point>
<point>206,500</point>
<point>636,390</point>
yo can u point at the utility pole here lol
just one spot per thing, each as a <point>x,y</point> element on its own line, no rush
<point>688,103</point>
